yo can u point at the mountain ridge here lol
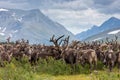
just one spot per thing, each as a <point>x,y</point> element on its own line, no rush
<point>110,34</point>
<point>31,25</point>
<point>111,23</point>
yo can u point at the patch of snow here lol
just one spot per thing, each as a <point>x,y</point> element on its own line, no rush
<point>15,31</point>
<point>1,9</point>
<point>10,35</point>
<point>20,19</point>
<point>114,32</point>
<point>4,29</point>
<point>13,14</point>
<point>97,39</point>
<point>2,34</point>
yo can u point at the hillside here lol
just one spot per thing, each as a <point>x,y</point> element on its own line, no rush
<point>110,24</point>
<point>29,24</point>
<point>106,34</point>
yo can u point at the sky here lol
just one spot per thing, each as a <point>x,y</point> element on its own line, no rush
<point>74,15</point>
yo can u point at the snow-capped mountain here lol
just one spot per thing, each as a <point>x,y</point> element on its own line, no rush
<point>31,25</point>
<point>110,34</point>
<point>110,24</point>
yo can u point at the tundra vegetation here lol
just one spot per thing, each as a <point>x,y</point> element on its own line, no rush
<point>63,60</point>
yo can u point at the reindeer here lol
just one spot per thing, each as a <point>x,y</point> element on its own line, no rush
<point>110,59</point>
<point>57,48</point>
<point>87,56</point>
<point>5,54</point>
<point>118,59</point>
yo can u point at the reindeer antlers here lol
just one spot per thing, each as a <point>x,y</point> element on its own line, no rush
<point>60,37</point>
<point>55,41</point>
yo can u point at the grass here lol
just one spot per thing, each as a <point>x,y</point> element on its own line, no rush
<point>54,70</point>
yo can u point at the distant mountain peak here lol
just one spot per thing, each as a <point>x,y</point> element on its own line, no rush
<point>111,23</point>
<point>31,25</point>
<point>113,18</point>
<point>94,26</point>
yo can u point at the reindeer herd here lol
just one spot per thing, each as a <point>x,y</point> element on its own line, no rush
<point>72,53</point>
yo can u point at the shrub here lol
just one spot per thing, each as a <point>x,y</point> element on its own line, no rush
<point>45,69</point>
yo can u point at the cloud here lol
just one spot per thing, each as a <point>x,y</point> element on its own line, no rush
<point>103,2</point>
<point>107,6</point>
<point>75,15</point>
<point>8,4</point>
<point>72,5</point>
<point>76,21</point>
<point>102,6</point>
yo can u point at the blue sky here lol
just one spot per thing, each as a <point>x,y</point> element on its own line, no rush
<point>75,15</point>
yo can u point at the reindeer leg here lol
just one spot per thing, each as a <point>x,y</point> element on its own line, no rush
<point>90,63</point>
<point>90,67</point>
<point>119,66</point>
<point>111,66</point>
<point>72,68</point>
<point>95,65</point>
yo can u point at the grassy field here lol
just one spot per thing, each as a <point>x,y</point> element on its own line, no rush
<point>54,70</point>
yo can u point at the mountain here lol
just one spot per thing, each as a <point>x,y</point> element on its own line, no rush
<point>31,25</point>
<point>111,23</point>
<point>83,35</point>
<point>110,34</point>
